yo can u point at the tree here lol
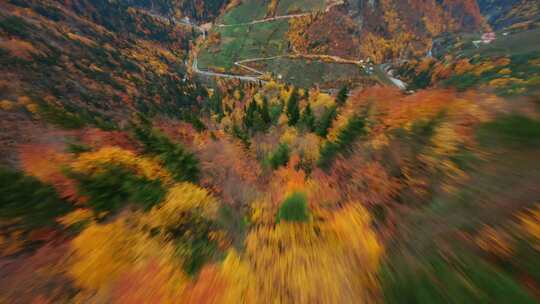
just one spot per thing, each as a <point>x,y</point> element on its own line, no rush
<point>325,122</point>
<point>308,119</point>
<point>258,123</point>
<point>182,164</point>
<point>241,134</point>
<point>354,128</point>
<point>112,188</point>
<point>104,253</point>
<point>187,217</point>
<point>293,109</point>
<point>265,112</point>
<point>216,104</point>
<point>28,201</point>
<point>342,95</point>
<point>280,157</point>
<point>250,114</point>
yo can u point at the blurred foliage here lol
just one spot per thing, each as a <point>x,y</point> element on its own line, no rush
<point>182,164</point>
<point>115,186</point>
<point>294,208</point>
<point>28,201</point>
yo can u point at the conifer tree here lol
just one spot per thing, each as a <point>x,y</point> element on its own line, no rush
<point>293,111</point>
<point>308,119</point>
<point>342,95</point>
<point>216,103</point>
<point>250,114</point>
<point>326,121</point>
<point>265,112</point>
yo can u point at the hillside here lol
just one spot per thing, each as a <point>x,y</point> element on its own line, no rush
<point>502,14</point>
<point>89,63</point>
<point>269,151</point>
<point>353,31</point>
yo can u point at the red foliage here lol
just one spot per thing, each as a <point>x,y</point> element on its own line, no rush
<point>97,139</point>
<point>45,163</point>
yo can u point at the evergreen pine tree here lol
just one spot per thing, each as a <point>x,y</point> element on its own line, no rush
<point>293,111</point>
<point>217,106</point>
<point>326,121</point>
<point>249,114</point>
<point>308,119</point>
<point>258,123</point>
<point>265,112</point>
<point>342,95</point>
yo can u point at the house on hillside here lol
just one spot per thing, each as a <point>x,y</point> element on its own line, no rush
<point>489,37</point>
<point>486,38</point>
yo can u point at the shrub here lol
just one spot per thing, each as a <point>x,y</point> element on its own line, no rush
<point>294,208</point>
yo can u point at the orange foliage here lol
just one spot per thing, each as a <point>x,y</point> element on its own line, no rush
<point>494,241</point>
<point>19,48</point>
<point>45,163</point>
<point>367,182</point>
<point>105,255</point>
<point>441,71</point>
<point>98,139</point>
<point>228,169</point>
<point>463,66</point>
<point>296,34</point>
<point>209,288</point>
<point>148,284</point>
<point>287,180</point>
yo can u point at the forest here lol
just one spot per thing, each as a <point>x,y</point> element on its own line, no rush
<point>129,174</point>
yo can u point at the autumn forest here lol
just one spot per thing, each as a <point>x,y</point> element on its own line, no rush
<point>269,151</point>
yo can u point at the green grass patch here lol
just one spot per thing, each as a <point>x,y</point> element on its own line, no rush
<point>308,73</point>
<point>247,11</point>
<point>513,44</point>
<point>246,42</point>
<point>286,7</point>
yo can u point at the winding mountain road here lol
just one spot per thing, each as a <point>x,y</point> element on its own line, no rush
<point>196,69</point>
<point>266,20</point>
<point>257,78</point>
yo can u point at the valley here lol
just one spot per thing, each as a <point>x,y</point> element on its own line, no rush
<point>269,151</point>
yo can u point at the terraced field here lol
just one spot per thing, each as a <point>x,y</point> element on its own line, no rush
<point>307,73</point>
<point>291,6</point>
<point>247,11</point>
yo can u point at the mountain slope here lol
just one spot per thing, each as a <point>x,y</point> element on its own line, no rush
<point>90,63</point>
